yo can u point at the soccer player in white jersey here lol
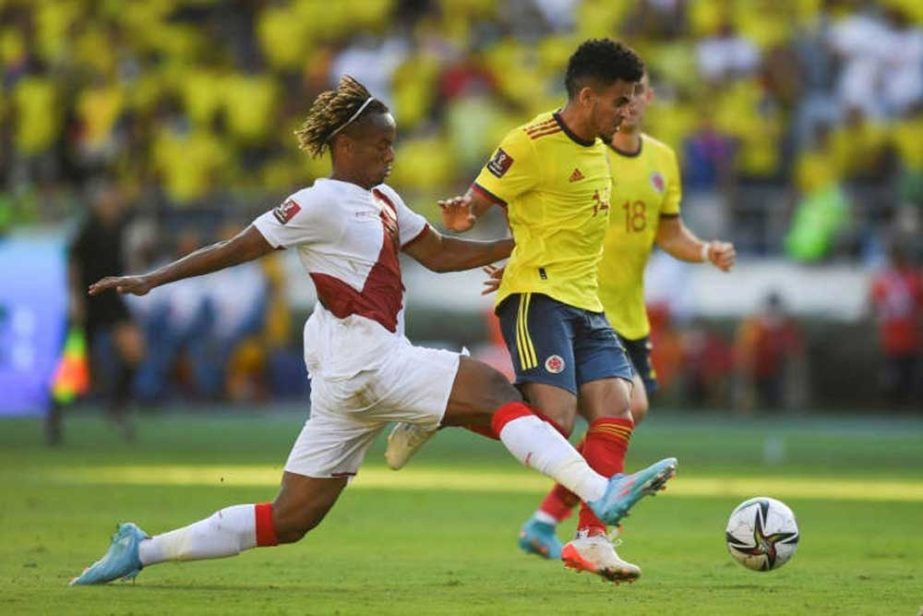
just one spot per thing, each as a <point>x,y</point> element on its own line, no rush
<point>348,230</point>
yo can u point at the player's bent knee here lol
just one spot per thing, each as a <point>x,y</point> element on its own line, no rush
<point>639,411</point>
<point>499,391</point>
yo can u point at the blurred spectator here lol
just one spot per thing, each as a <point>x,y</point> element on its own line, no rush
<point>174,318</point>
<point>237,300</point>
<point>821,207</point>
<point>861,44</point>
<point>707,365</point>
<point>897,301</point>
<point>903,60</point>
<point>708,155</point>
<point>726,55</point>
<point>115,345</point>
<point>769,359</point>
<point>666,345</point>
<point>858,146</point>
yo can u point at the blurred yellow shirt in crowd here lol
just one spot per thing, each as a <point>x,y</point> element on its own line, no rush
<point>192,164</point>
<point>98,109</point>
<point>907,136</point>
<point>39,119</point>
<point>250,105</point>
<point>741,114</point>
<point>815,170</point>
<point>857,149</point>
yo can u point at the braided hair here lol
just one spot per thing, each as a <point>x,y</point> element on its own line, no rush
<point>333,111</point>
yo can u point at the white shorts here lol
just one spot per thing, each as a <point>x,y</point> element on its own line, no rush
<point>412,385</point>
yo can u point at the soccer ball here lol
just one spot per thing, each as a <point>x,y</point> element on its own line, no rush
<point>762,533</point>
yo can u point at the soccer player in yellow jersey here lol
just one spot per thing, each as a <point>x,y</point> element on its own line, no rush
<point>553,178</point>
<point>645,210</point>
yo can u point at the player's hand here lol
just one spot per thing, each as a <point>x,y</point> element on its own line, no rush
<point>134,285</point>
<point>456,213</point>
<point>722,255</point>
<point>494,277</point>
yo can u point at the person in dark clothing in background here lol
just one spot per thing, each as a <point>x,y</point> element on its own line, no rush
<point>115,345</point>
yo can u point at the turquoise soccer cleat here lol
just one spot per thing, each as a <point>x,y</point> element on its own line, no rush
<point>624,491</point>
<point>539,538</point>
<point>121,560</point>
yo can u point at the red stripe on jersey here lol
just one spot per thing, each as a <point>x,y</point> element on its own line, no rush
<point>547,131</point>
<point>382,295</point>
<point>487,194</point>
<point>541,126</point>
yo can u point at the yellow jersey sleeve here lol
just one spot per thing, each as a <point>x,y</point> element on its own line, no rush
<point>512,171</point>
<point>674,192</point>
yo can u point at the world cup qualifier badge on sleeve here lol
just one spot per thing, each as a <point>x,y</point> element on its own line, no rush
<point>285,212</point>
<point>500,163</point>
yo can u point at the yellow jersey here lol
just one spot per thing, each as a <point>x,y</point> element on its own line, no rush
<point>645,187</point>
<point>555,187</point>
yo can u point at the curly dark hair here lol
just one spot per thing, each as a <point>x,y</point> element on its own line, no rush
<point>601,61</point>
<point>331,112</point>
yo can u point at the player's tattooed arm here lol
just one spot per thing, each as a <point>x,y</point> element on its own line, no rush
<point>247,245</point>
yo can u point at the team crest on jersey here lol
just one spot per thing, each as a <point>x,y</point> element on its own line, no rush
<point>555,364</point>
<point>657,181</point>
<point>500,163</point>
<point>285,212</point>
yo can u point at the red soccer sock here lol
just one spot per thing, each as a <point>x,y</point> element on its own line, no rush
<point>510,411</point>
<point>265,528</point>
<point>559,503</point>
<point>604,448</point>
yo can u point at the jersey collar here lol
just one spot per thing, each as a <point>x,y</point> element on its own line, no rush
<point>634,154</point>
<point>557,118</point>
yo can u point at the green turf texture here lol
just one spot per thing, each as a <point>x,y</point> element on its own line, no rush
<point>395,544</point>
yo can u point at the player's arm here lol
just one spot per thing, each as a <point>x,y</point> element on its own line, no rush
<point>675,238</point>
<point>512,171</point>
<point>461,213</point>
<point>440,253</point>
<point>248,245</point>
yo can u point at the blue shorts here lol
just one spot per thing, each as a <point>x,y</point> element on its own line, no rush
<point>639,352</point>
<point>560,345</point>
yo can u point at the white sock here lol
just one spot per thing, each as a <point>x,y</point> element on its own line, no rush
<point>545,518</point>
<point>227,532</point>
<point>537,445</point>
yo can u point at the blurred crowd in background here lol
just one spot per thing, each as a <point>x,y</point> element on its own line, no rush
<point>798,123</point>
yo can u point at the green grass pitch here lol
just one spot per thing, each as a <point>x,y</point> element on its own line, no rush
<point>439,537</point>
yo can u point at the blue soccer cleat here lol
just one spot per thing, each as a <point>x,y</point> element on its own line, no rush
<point>121,561</point>
<point>539,538</point>
<point>624,491</point>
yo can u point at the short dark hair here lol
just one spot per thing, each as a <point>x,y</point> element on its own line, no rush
<point>604,62</point>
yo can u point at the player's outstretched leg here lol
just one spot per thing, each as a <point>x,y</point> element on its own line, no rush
<point>301,505</point>
<point>624,491</point>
